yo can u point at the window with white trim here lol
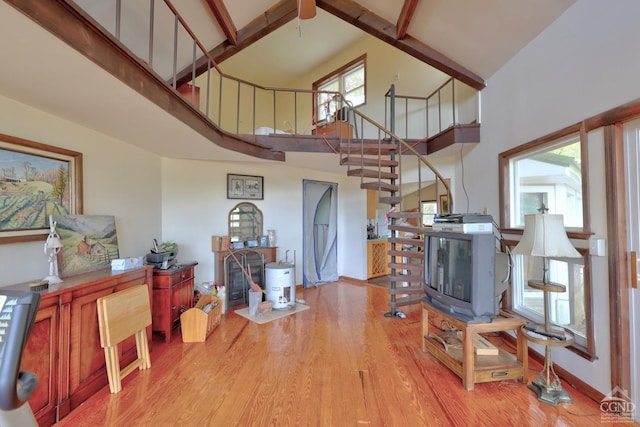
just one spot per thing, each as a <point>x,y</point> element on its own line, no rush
<point>549,175</point>
<point>349,80</point>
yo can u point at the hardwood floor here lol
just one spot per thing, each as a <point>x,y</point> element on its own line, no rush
<point>340,363</point>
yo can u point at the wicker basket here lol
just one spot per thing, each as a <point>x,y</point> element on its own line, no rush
<point>196,324</point>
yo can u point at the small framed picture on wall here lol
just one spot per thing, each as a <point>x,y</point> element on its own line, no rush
<point>245,187</point>
<point>444,204</point>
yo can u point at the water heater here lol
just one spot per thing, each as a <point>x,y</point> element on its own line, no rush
<point>280,285</point>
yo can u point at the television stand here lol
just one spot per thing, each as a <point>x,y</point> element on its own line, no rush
<point>464,362</point>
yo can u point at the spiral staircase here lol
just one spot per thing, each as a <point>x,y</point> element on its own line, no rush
<point>378,163</point>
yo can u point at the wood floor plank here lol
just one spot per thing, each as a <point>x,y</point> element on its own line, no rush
<point>340,363</point>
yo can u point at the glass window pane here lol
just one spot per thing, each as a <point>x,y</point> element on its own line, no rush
<point>550,179</point>
<point>429,209</point>
<point>356,97</point>
<point>566,309</point>
<point>354,79</point>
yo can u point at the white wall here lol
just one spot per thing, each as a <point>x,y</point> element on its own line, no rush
<point>585,63</point>
<point>195,207</point>
<point>118,180</point>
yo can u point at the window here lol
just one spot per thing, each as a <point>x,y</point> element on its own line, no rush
<point>349,80</point>
<point>429,211</point>
<point>549,174</point>
<point>567,309</point>
<point>548,177</point>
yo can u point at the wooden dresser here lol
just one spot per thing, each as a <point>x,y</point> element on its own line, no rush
<point>172,296</point>
<point>64,350</point>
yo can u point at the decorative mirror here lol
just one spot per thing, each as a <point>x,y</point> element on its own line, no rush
<point>245,222</point>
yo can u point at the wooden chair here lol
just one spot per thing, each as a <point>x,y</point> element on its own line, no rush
<point>121,315</point>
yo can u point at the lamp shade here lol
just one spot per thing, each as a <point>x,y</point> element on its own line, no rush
<point>544,236</point>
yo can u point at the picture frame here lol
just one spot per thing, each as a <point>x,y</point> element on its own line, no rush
<point>36,181</point>
<point>245,187</point>
<point>444,204</point>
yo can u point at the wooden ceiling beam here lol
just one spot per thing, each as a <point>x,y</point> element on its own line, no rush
<point>269,21</point>
<point>76,28</point>
<point>221,14</point>
<point>369,22</point>
<point>406,14</point>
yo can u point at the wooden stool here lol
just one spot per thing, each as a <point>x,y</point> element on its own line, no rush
<point>121,315</point>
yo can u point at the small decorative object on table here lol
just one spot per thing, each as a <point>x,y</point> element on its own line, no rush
<point>264,307</point>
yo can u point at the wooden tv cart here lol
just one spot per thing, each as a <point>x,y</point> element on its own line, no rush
<point>464,362</point>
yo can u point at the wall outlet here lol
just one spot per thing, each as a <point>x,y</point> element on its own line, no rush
<point>597,247</point>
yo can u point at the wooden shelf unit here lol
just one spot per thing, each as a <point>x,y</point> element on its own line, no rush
<point>378,258</point>
<point>472,368</point>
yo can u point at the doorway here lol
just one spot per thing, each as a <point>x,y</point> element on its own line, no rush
<point>632,187</point>
<point>320,232</point>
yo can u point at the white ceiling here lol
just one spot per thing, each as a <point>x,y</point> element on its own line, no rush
<point>480,35</point>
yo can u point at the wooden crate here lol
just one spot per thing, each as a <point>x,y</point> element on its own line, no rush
<point>196,324</point>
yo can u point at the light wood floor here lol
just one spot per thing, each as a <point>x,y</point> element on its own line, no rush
<point>340,363</point>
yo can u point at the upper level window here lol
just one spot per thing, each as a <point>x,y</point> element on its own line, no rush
<point>349,80</point>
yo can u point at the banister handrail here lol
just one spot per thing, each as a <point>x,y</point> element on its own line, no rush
<point>411,149</point>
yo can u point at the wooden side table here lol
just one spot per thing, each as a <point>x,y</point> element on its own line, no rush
<point>464,362</point>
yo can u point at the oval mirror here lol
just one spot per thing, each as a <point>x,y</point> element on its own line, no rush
<point>245,222</point>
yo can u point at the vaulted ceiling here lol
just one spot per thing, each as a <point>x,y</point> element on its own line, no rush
<point>468,39</point>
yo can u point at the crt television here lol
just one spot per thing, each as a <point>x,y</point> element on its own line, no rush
<point>459,276</point>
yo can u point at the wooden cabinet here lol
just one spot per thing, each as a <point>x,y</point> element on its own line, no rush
<point>464,362</point>
<point>64,350</point>
<point>172,296</point>
<point>336,128</point>
<point>378,258</point>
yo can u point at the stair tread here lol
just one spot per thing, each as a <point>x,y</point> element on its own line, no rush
<point>405,228</point>
<point>376,185</point>
<point>371,173</point>
<point>408,254</point>
<point>390,200</point>
<point>406,290</point>
<point>367,161</point>
<point>403,241</point>
<point>404,266</point>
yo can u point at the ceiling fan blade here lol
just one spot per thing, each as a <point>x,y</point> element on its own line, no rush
<point>306,9</point>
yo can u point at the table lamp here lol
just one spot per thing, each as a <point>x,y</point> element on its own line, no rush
<point>544,236</point>
<point>52,247</point>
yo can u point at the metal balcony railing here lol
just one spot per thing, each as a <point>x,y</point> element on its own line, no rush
<point>237,106</point>
<point>415,117</point>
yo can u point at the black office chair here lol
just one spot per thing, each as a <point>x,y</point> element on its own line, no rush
<point>17,314</point>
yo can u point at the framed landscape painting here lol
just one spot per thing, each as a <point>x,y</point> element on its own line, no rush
<point>36,181</point>
<point>89,242</point>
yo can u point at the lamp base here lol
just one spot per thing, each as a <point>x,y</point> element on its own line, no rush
<point>52,279</point>
<point>551,395</point>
